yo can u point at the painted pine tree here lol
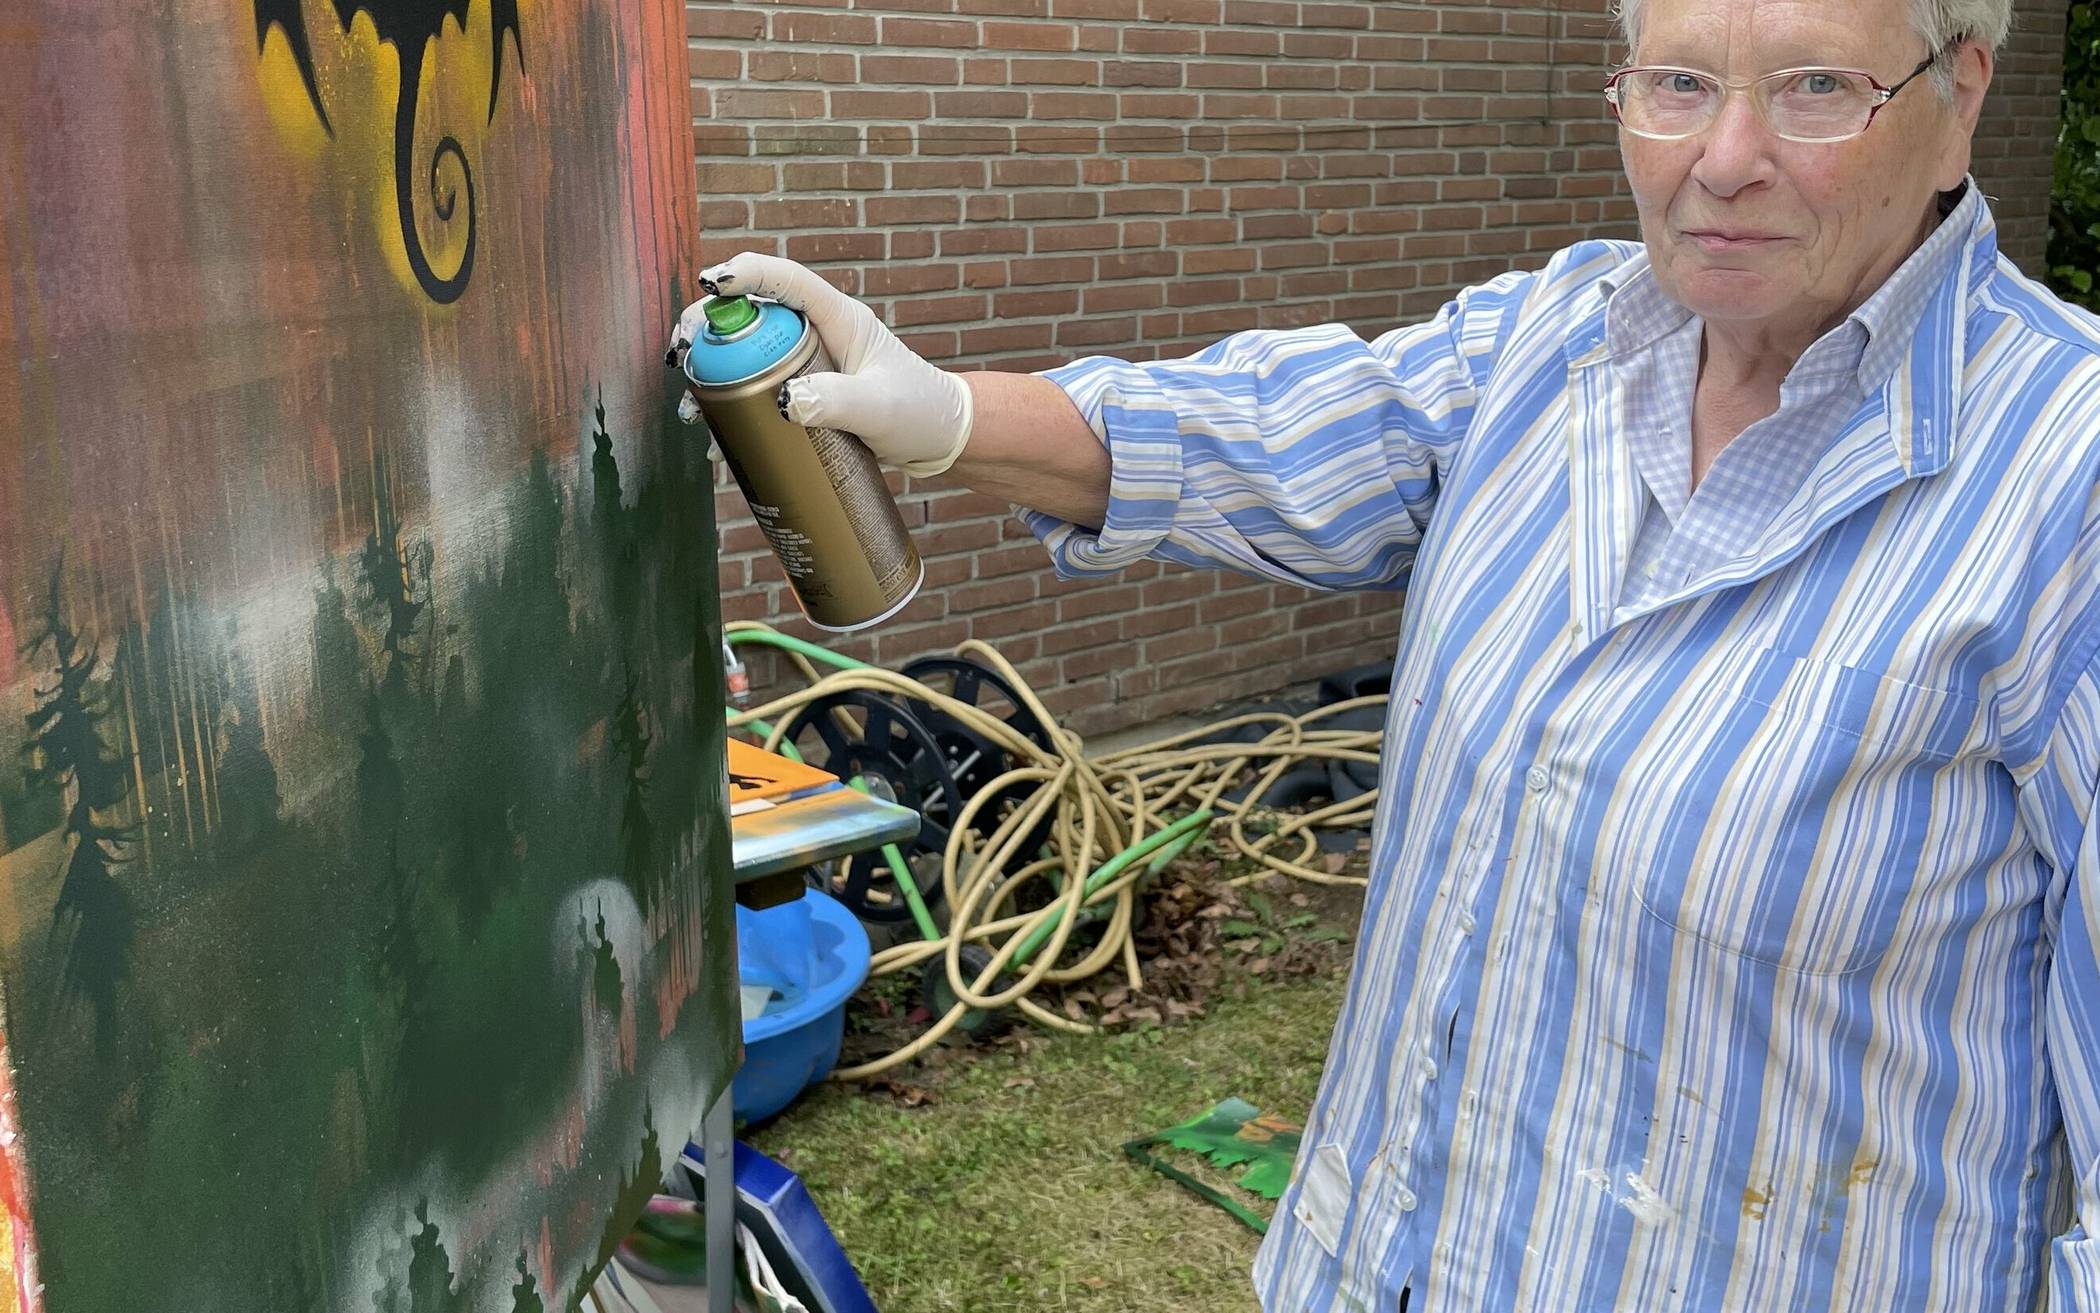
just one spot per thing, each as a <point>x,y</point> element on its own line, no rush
<point>429,1268</point>
<point>249,795</point>
<point>382,797</point>
<point>630,728</point>
<point>389,583</point>
<point>606,985</point>
<point>339,655</point>
<point>605,472</point>
<point>93,918</point>
<point>637,1186</point>
<point>525,1296</point>
<point>617,552</point>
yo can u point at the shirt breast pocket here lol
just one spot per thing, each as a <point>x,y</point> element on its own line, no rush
<point>1810,816</point>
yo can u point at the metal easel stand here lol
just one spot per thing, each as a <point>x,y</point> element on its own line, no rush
<point>718,1142</point>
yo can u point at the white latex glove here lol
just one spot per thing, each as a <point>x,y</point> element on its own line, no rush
<point>909,413</point>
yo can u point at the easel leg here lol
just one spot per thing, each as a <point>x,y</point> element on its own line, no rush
<point>718,1142</point>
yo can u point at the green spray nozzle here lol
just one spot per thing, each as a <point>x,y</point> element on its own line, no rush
<point>729,314</point>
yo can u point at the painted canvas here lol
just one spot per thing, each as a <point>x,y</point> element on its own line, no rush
<point>364,912</point>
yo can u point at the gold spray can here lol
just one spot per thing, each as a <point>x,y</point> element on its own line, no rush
<point>817,494</point>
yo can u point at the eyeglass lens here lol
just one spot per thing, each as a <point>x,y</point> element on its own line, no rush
<point>1814,104</point>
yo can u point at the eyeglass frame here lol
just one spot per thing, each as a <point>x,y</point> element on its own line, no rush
<point>1730,87</point>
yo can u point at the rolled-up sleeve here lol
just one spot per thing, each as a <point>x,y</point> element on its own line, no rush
<point>1308,456</point>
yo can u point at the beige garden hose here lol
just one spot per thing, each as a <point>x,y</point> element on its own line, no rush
<point>1098,808</point>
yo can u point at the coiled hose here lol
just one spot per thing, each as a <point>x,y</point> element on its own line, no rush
<point>1108,827</point>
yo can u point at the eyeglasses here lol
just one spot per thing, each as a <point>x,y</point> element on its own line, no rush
<point>1797,104</point>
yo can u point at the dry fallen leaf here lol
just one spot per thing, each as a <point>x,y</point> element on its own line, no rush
<point>911,1096</point>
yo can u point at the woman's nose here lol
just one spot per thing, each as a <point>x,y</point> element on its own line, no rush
<point>1737,149</point>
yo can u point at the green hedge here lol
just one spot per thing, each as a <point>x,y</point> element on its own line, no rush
<point>2074,217</point>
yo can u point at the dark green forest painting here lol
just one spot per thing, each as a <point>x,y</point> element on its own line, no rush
<point>364,936</point>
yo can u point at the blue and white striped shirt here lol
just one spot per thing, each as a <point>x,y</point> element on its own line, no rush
<point>1733,949</point>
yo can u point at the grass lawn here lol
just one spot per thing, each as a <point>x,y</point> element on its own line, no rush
<point>1007,1189</point>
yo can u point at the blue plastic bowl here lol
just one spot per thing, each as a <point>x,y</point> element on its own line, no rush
<point>811,954</point>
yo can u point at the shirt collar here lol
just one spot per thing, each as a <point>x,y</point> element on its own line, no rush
<point>1872,340</point>
<point>1637,314</point>
<point>1891,314</point>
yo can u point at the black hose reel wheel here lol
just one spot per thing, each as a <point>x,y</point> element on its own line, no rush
<point>939,996</point>
<point>1305,788</point>
<point>1356,682</point>
<point>858,734</point>
<point>1348,780</point>
<point>1253,731</point>
<point>974,759</point>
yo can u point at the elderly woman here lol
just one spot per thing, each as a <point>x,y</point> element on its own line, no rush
<point>1735,900</point>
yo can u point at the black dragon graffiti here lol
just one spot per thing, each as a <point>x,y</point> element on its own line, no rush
<point>409,26</point>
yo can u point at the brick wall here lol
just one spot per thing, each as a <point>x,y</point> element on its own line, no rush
<point>985,172</point>
<point>2015,146</point>
<point>1015,183</point>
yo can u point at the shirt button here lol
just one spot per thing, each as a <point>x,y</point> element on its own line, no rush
<point>1466,924</point>
<point>1537,778</point>
<point>1428,1069</point>
<point>1406,1200</point>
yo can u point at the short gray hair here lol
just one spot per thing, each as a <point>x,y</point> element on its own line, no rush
<point>1939,22</point>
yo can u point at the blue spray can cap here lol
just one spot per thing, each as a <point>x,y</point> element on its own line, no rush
<point>742,339</point>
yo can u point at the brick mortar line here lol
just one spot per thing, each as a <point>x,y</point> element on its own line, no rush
<point>963,54</point>
<point>1099,125</point>
<point>1127,188</point>
<point>769,43</point>
<point>972,16</point>
<point>1195,24</point>
<point>1185,127</point>
<point>829,230</point>
<point>1058,222</point>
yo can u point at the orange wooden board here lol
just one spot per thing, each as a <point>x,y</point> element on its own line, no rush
<point>756,775</point>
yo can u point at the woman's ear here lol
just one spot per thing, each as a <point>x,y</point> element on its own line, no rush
<point>1973,66</point>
